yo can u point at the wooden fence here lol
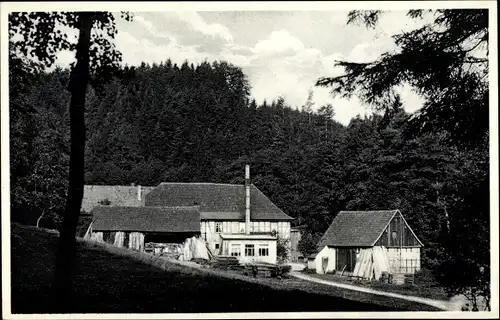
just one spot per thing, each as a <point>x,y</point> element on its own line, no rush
<point>407,266</point>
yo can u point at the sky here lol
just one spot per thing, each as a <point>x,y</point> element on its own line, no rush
<point>282,53</point>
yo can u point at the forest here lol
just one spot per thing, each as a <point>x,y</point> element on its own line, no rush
<point>159,123</point>
<point>199,123</point>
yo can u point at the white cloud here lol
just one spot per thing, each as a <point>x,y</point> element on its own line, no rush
<point>198,23</point>
<point>150,28</point>
<point>280,64</point>
<point>136,50</point>
<point>278,42</point>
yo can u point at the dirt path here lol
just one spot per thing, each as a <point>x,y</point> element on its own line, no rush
<point>443,305</point>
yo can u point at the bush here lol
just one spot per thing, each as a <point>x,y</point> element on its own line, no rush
<point>309,271</point>
<point>425,277</point>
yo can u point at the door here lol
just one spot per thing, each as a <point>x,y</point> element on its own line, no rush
<point>346,260</point>
<point>324,264</point>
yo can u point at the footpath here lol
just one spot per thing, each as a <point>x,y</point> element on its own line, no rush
<point>443,305</point>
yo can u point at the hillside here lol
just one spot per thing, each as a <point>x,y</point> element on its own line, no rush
<point>110,283</point>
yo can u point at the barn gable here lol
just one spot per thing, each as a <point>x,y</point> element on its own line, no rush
<point>397,233</point>
<point>367,229</point>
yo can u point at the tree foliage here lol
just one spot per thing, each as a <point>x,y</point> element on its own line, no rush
<point>38,36</point>
<point>445,61</point>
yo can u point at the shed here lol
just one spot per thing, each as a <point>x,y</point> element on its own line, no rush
<point>132,227</point>
<point>352,232</point>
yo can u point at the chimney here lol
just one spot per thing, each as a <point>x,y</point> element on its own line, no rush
<point>139,193</point>
<point>247,199</point>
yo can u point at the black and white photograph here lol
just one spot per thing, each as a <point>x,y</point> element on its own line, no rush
<point>249,159</point>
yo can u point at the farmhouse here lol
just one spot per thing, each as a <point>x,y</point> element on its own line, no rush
<point>233,220</point>
<point>384,237</point>
<point>236,220</point>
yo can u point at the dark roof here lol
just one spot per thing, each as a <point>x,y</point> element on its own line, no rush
<point>356,228</point>
<point>216,201</point>
<point>146,219</point>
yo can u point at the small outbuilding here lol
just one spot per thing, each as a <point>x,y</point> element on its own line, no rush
<point>381,240</point>
<point>134,227</point>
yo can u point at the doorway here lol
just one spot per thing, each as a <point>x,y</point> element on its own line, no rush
<point>324,264</point>
<point>346,259</point>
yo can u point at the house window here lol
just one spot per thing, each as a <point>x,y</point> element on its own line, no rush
<point>242,227</point>
<point>217,246</point>
<point>235,250</point>
<point>264,250</point>
<point>394,235</point>
<point>249,250</point>
<point>218,227</point>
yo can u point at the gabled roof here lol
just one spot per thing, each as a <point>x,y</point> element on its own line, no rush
<point>126,196</point>
<point>357,228</point>
<point>146,219</point>
<point>216,201</point>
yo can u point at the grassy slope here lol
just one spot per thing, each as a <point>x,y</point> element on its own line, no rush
<point>109,283</point>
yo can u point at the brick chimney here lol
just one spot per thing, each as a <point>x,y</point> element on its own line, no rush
<point>247,199</point>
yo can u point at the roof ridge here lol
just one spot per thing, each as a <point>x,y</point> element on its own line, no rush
<point>116,185</point>
<point>154,208</point>
<point>358,211</point>
<point>203,183</point>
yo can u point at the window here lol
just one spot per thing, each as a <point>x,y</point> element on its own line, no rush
<point>218,227</point>
<point>394,235</point>
<point>217,246</point>
<point>249,250</point>
<point>235,250</point>
<point>242,227</point>
<point>264,250</point>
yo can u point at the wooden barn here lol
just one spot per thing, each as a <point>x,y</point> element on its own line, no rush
<point>351,232</point>
<point>133,227</point>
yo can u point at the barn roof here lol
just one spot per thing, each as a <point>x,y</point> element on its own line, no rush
<point>217,201</point>
<point>146,219</point>
<point>356,228</point>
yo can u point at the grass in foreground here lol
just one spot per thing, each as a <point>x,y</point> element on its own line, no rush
<point>424,289</point>
<point>110,283</point>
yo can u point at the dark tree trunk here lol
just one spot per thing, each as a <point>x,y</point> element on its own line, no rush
<point>67,239</point>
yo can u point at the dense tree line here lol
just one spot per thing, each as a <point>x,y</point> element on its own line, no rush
<point>198,123</point>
